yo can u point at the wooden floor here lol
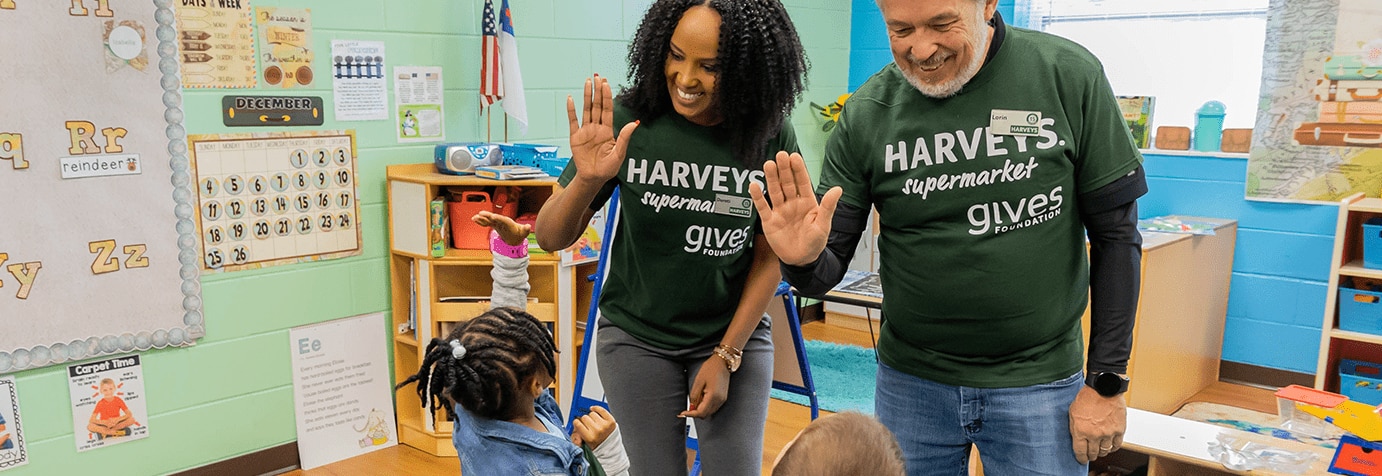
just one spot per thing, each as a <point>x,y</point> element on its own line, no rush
<point>784,421</point>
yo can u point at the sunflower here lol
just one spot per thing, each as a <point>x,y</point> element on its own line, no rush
<point>831,112</point>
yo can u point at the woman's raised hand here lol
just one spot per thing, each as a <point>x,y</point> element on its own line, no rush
<point>594,149</point>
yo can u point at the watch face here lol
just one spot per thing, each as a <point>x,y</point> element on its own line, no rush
<point>1108,384</point>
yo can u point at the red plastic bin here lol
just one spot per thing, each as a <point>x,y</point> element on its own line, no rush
<point>465,234</point>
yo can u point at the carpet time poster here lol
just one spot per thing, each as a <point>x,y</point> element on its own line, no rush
<point>108,402</point>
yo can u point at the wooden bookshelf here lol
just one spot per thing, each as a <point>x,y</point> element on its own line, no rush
<point>420,282</point>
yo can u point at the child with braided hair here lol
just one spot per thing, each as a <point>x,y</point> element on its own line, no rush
<point>491,373</point>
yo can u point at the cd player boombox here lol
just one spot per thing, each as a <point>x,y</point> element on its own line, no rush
<point>461,158</point>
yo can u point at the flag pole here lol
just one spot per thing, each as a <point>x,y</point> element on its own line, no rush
<point>488,115</point>
<point>506,127</point>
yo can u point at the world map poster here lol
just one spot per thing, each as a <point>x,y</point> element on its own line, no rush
<point>1318,136</point>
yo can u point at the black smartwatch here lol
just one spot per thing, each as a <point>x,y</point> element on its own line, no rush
<point>1108,384</point>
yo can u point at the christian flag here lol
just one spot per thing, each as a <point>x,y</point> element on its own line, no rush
<point>500,75</point>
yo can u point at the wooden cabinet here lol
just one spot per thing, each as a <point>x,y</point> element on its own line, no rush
<point>1179,332</point>
<point>1347,262</point>
<point>422,288</point>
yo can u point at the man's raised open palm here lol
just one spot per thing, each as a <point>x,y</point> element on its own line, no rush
<point>795,224</point>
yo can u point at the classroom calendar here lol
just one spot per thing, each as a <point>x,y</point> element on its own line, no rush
<point>270,199</point>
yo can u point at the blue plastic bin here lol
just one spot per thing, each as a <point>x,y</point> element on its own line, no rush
<point>1361,381</point>
<point>1372,243</point>
<point>527,154</point>
<point>1360,311</point>
<point>553,167</point>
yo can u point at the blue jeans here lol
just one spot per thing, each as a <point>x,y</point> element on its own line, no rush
<point>1023,430</point>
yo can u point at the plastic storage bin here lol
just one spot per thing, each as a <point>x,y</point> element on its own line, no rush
<point>527,154</point>
<point>1291,402</point>
<point>1361,381</point>
<point>1372,243</point>
<point>465,234</point>
<point>553,167</point>
<point>1360,310</point>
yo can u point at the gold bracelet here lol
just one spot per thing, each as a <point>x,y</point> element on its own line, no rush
<point>730,355</point>
<point>731,350</point>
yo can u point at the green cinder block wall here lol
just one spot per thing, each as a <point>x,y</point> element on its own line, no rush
<point>231,394</point>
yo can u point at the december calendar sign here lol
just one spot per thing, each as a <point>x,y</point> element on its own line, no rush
<point>97,246</point>
<point>275,198</point>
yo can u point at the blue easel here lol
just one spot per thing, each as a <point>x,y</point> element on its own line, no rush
<point>580,403</point>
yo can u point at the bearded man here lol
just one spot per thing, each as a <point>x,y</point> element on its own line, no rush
<point>989,152</point>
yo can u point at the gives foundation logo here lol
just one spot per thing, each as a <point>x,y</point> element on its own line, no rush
<point>1005,216</point>
<point>713,241</point>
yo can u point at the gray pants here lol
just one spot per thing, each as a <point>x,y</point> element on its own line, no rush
<point>647,387</point>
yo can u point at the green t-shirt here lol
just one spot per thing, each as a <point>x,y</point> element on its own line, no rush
<point>983,256</point>
<point>684,243</point>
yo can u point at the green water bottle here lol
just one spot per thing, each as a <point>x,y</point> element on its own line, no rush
<point>1209,126</point>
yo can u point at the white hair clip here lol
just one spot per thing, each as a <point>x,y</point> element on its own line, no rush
<point>457,350</point>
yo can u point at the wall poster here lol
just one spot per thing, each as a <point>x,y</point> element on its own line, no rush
<point>285,46</point>
<point>1319,128</point>
<point>109,405</point>
<point>14,452</point>
<point>217,43</point>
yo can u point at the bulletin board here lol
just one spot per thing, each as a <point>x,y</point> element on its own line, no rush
<point>97,248</point>
<point>275,198</point>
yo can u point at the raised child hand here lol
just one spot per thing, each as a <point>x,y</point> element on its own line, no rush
<point>593,428</point>
<point>512,232</point>
<point>794,224</point>
<point>594,150</point>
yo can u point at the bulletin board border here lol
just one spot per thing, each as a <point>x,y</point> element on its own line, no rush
<point>193,324</point>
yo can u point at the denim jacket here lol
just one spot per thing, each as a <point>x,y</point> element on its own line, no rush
<point>495,447</point>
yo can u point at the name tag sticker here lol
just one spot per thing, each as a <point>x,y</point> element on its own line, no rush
<point>1003,122</point>
<point>733,205</point>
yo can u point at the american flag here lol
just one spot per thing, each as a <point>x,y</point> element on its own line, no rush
<point>491,78</point>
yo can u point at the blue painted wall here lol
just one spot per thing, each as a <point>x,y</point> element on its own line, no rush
<point>1280,266</point>
<point>868,42</point>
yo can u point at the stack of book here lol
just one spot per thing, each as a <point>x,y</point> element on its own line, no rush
<point>509,172</point>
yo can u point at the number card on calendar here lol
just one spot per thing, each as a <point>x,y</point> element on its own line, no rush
<point>268,199</point>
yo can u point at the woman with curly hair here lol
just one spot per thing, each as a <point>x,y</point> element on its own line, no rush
<point>689,271</point>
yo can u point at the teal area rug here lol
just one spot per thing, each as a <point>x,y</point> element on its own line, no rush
<point>844,376</point>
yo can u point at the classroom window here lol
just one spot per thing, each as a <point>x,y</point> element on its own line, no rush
<point>1183,52</point>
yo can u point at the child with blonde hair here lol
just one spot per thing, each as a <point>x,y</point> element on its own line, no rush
<point>843,444</point>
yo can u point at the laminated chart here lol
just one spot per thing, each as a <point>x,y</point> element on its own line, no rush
<point>285,46</point>
<point>275,198</point>
<point>217,43</point>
